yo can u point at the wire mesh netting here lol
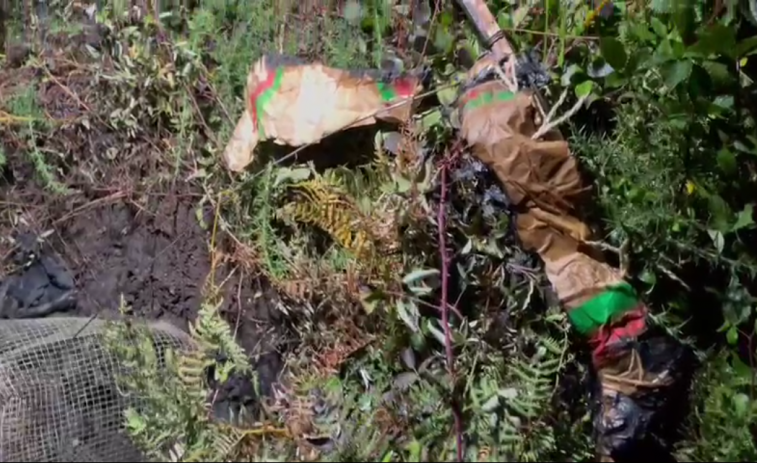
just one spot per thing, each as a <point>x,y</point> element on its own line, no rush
<point>59,400</point>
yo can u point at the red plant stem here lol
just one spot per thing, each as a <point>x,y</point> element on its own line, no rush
<point>442,225</point>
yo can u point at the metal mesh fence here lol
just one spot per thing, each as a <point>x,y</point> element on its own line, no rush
<point>58,395</point>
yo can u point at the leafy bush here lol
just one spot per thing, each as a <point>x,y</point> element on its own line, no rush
<point>667,140</point>
<point>359,249</point>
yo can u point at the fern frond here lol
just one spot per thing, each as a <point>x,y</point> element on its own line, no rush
<point>327,206</point>
<point>171,422</point>
<point>222,444</point>
<point>512,403</point>
<point>215,337</point>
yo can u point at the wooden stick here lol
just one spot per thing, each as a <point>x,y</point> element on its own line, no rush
<point>493,37</point>
<point>486,27</point>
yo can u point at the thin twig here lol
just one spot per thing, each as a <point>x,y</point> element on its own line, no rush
<point>551,34</point>
<point>548,125</point>
<point>6,118</point>
<point>240,309</point>
<point>65,88</point>
<point>437,9</point>
<point>95,202</point>
<point>441,223</point>
<point>196,106</point>
<point>553,110</point>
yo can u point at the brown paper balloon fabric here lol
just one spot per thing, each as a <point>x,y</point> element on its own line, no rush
<point>295,103</point>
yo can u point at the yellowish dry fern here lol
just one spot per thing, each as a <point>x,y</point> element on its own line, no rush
<point>328,207</point>
<point>371,236</point>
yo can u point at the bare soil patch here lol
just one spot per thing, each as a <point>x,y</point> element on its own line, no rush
<point>121,215</point>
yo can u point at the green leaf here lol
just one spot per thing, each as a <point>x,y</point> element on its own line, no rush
<point>741,404</point>
<point>584,89</point>
<point>718,39</point>
<point>447,19</point>
<point>724,102</point>
<point>679,49</point>
<point>727,161</point>
<point>741,369</point>
<point>419,274</point>
<point>422,290</point>
<point>663,53</point>
<point>134,421</point>
<point>746,45</point>
<point>291,175</point>
<point>613,52</point>
<point>661,6</point>
<point>717,239</point>
<point>408,313</point>
<point>745,218</point>
<point>599,68</point>
<point>447,96</point>
<point>642,32</point>
<point>505,19</point>
<point>719,72</point>
<point>732,336</point>
<point>402,184</point>
<point>684,18</point>
<point>431,119</point>
<point>418,341</point>
<point>741,146</point>
<point>659,28</point>
<point>199,216</point>
<point>570,73</point>
<point>491,404</point>
<point>721,213</point>
<point>370,300</point>
<point>615,80</point>
<point>648,277</point>
<point>675,72</point>
<point>436,332</point>
<point>415,450</point>
<point>443,39</point>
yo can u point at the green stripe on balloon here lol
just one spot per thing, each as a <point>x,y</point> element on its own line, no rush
<point>263,94</point>
<point>477,100</point>
<point>387,92</point>
<point>603,308</point>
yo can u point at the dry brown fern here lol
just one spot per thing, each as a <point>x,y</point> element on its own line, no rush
<point>326,204</point>
<point>409,149</point>
<point>329,208</point>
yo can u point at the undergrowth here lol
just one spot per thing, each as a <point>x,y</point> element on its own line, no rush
<point>355,246</point>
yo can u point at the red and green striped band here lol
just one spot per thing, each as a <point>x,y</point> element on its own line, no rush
<point>401,88</point>
<point>476,99</point>
<point>603,308</point>
<point>262,95</point>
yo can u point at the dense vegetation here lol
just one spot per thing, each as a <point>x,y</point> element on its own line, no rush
<point>353,239</point>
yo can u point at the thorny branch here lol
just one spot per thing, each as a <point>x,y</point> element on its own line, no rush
<point>442,226</point>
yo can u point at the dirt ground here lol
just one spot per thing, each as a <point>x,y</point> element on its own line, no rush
<point>119,233</point>
<point>156,255</point>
